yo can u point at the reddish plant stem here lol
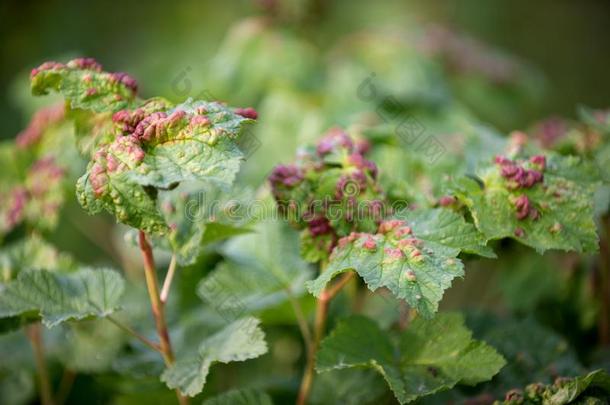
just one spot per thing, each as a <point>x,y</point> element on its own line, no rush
<point>157,306</point>
<point>35,335</point>
<point>319,326</point>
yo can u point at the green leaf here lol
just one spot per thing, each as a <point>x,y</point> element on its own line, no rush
<point>83,83</point>
<point>262,270</point>
<point>430,356</point>
<point>199,217</point>
<point>349,387</point>
<point>239,341</point>
<point>444,229</point>
<point>240,397</point>
<point>33,253</point>
<point>563,202</point>
<point>61,297</point>
<point>416,268</point>
<point>215,232</point>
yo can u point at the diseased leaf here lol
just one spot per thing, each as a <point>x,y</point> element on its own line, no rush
<point>195,141</point>
<point>545,203</point>
<point>82,82</point>
<point>239,341</point>
<point>445,229</point>
<point>91,130</point>
<point>416,269</point>
<point>240,397</point>
<point>34,195</point>
<point>593,388</point>
<point>430,356</point>
<point>60,297</point>
<point>130,203</point>
<point>572,389</point>
<point>50,133</point>
<point>161,147</point>
<point>146,145</point>
<point>189,160</point>
<point>330,191</point>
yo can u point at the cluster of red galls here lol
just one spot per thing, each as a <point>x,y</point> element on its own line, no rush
<point>356,202</point>
<point>520,177</point>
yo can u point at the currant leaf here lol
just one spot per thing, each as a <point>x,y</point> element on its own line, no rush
<point>445,229</point>
<point>85,85</point>
<point>430,356</point>
<point>262,270</point>
<point>239,341</point>
<point>194,141</point>
<point>58,297</point>
<point>415,257</point>
<point>593,388</point>
<point>545,205</point>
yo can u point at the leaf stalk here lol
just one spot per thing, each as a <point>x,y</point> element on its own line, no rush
<point>322,304</point>
<point>157,306</point>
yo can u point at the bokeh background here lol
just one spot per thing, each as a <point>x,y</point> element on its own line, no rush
<point>567,41</point>
<point>301,64</point>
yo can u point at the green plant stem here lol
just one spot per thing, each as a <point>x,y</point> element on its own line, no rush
<point>319,326</point>
<point>35,335</point>
<point>169,277</point>
<point>135,334</point>
<point>302,322</point>
<point>157,306</point>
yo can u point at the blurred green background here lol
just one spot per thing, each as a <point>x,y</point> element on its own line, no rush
<point>301,63</point>
<point>568,41</point>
